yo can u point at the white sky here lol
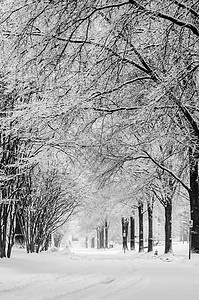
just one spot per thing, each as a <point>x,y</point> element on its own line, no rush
<point>100,274</point>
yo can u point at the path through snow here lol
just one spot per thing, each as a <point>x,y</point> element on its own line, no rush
<point>95,275</point>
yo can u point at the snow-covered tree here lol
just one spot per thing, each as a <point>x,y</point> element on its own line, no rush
<point>120,65</point>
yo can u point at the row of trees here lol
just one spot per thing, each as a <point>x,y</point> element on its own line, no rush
<point>113,84</point>
<point>38,194</point>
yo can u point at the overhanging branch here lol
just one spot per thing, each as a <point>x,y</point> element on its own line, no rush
<point>167,170</point>
<point>122,85</point>
<point>167,17</point>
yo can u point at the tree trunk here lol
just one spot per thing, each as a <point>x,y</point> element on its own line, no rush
<point>194,202</point>
<point>102,237</point>
<point>46,245</point>
<point>132,233</point>
<point>125,224</point>
<point>150,226</point>
<point>106,234</point>
<point>86,242</point>
<point>141,228</point>
<point>31,234</point>
<point>168,226</point>
<point>98,237</point>
<point>2,232</point>
<point>4,229</point>
<point>11,233</point>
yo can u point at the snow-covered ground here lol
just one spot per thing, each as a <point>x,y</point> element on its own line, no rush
<point>92,274</point>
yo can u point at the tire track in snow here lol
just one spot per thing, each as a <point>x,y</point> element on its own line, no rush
<point>77,286</point>
<point>110,288</point>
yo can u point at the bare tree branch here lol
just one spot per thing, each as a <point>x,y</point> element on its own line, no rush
<point>191,10</point>
<point>167,170</point>
<point>167,17</point>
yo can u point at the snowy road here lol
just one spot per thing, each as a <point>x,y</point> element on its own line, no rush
<point>94,275</point>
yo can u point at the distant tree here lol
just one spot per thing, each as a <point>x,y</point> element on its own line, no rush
<point>51,202</point>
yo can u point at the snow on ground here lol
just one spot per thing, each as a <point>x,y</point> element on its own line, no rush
<point>91,274</point>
